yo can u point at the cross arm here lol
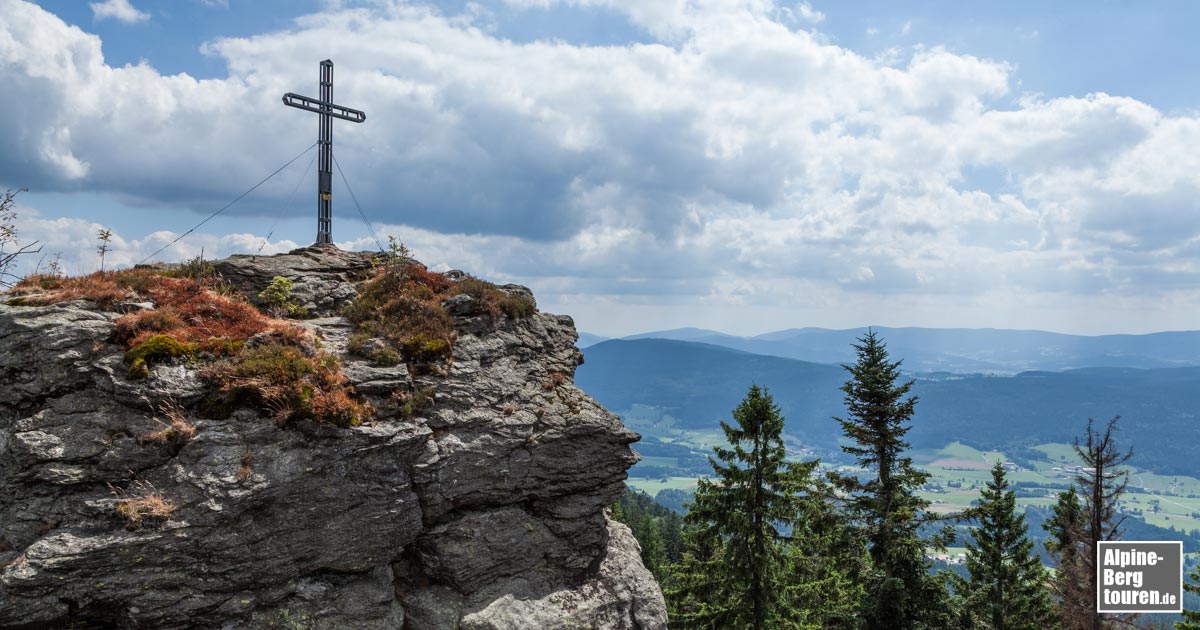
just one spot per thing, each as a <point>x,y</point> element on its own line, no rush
<point>321,107</point>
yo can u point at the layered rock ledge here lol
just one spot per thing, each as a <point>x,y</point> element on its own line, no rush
<point>484,509</point>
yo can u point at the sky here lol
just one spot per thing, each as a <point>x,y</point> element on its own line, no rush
<point>741,165</point>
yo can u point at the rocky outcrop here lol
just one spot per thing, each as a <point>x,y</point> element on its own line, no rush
<point>484,508</point>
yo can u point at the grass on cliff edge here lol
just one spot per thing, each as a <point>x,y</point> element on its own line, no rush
<point>402,305</point>
<point>291,379</point>
<point>249,357</point>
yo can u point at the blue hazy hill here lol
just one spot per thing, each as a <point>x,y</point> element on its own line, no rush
<point>588,339</point>
<point>965,350</point>
<point>699,384</point>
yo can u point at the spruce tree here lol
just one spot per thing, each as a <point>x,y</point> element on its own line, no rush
<point>1101,485</point>
<point>1064,544</point>
<point>735,570</point>
<point>653,555</point>
<point>1191,618</point>
<point>672,537</point>
<point>829,560</point>
<point>884,504</point>
<point>1006,589</point>
<point>656,529</point>
<point>1081,521</point>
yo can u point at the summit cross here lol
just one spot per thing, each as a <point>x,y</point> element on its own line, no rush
<point>327,111</point>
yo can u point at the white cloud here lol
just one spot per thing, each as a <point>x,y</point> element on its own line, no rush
<point>809,14</point>
<point>738,160</point>
<point>120,10</point>
<point>75,242</point>
<point>669,19</point>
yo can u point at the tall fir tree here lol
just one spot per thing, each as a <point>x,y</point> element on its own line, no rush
<point>1006,588</point>
<point>737,570</point>
<point>901,595</point>
<point>1191,618</point>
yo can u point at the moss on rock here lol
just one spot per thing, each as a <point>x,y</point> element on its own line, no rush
<point>153,349</point>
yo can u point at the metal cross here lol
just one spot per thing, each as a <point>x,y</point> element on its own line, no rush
<point>328,110</point>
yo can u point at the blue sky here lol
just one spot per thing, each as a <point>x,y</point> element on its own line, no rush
<point>745,165</point>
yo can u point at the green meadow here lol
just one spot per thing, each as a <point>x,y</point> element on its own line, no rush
<point>959,472</point>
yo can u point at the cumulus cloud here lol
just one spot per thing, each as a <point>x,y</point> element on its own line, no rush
<point>73,243</point>
<point>740,158</point>
<point>119,10</point>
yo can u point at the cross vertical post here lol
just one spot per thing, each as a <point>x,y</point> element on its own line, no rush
<point>327,110</point>
<point>325,158</point>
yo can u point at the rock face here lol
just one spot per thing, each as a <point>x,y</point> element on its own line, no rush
<point>485,509</point>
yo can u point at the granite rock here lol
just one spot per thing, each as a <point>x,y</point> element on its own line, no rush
<point>485,509</point>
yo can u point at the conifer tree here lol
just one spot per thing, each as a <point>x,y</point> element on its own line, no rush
<point>1076,531</point>
<point>654,526</point>
<point>672,537</point>
<point>1065,546</point>
<point>1006,589</point>
<point>1191,618</point>
<point>900,593</point>
<point>653,554</point>
<point>1102,483</point>
<point>829,560</point>
<point>735,570</point>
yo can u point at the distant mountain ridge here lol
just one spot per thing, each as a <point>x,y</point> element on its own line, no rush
<point>588,339</point>
<point>698,384</point>
<point>960,350</point>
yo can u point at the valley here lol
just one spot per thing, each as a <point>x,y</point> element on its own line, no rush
<point>675,392</point>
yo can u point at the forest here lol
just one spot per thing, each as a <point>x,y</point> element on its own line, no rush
<point>771,541</point>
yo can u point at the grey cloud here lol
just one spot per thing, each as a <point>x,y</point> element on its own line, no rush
<point>737,149</point>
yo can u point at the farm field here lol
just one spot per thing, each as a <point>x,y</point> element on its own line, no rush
<point>653,486</point>
<point>959,472</point>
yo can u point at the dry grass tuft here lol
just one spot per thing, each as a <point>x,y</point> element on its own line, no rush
<point>142,504</point>
<point>105,288</point>
<point>556,379</point>
<point>176,430</point>
<point>246,469</point>
<point>410,403</point>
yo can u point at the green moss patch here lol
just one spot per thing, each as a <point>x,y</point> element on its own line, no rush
<point>153,349</point>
